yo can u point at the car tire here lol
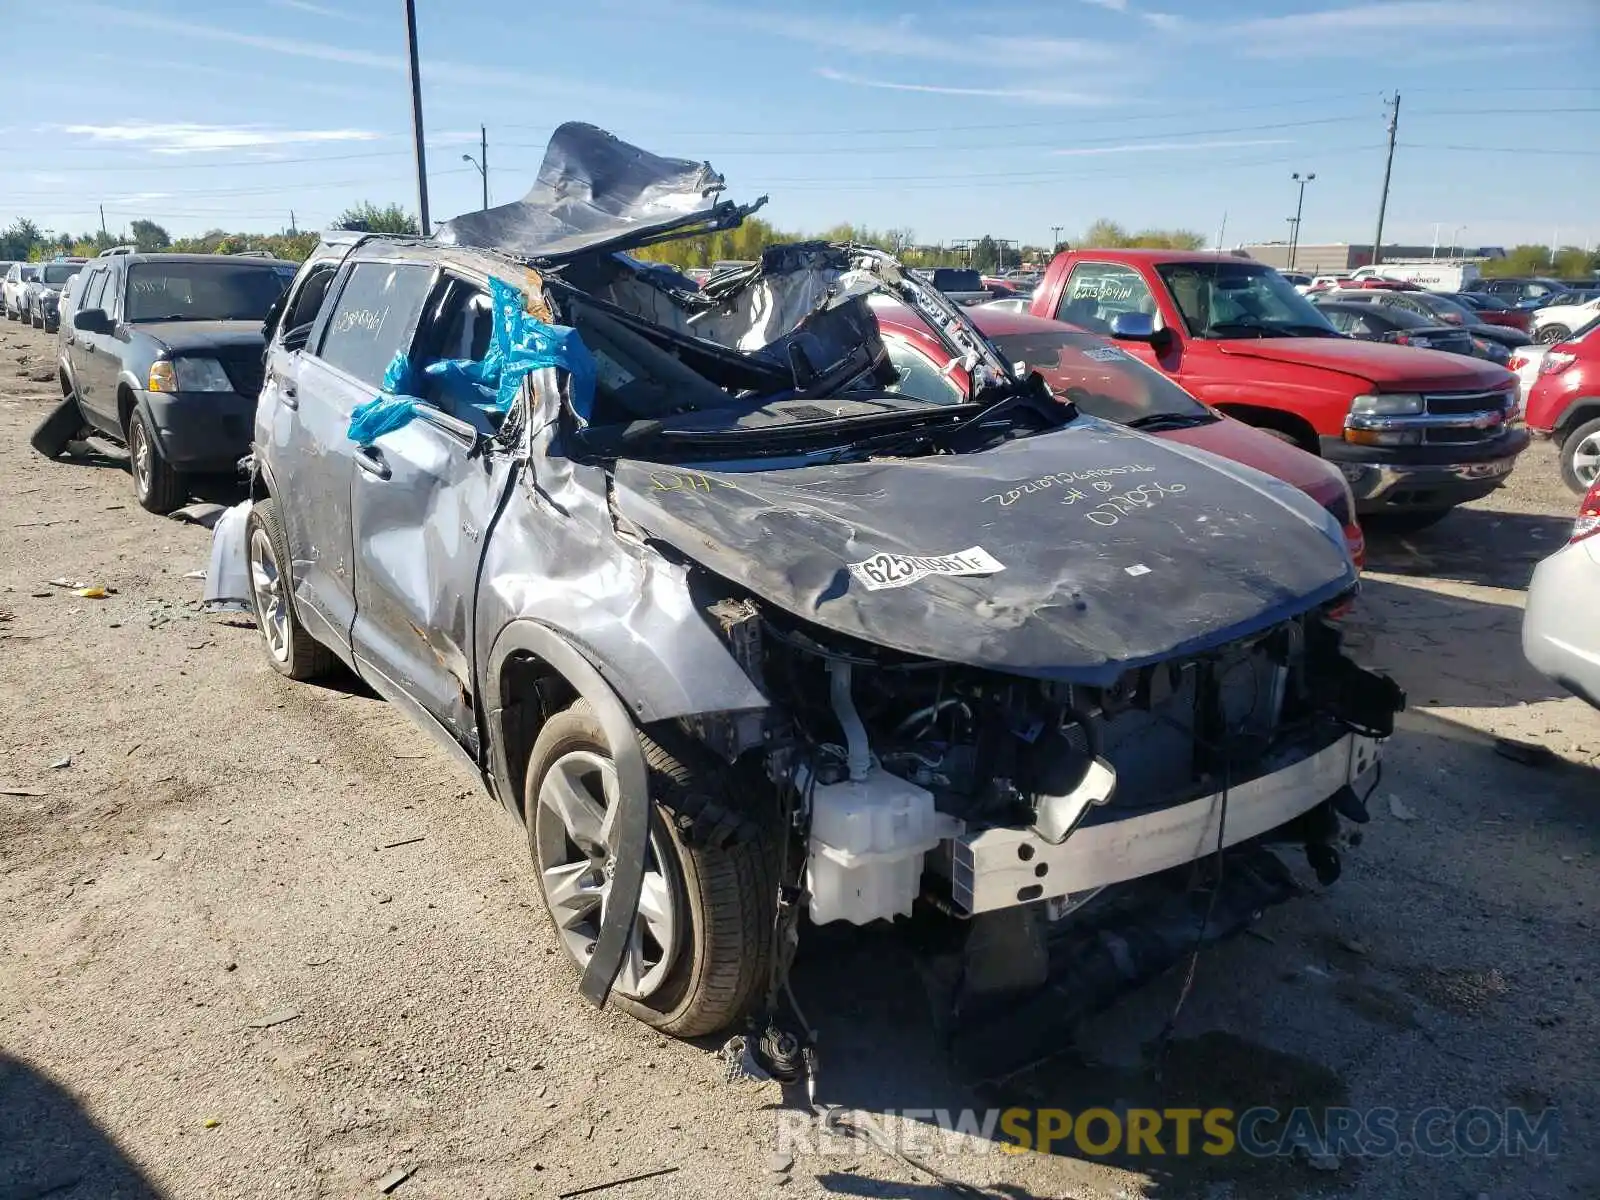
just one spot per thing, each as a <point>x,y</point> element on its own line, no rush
<point>710,884</point>
<point>159,487</point>
<point>1404,522</point>
<point>37,320</point>
<point>1549,335</point>
<point>289,648</point>
<point>62,424</point>
<point>1580,456</point>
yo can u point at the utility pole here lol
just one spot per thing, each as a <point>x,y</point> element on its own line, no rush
<point>1055,235</point>
<point>481,162</point>
<point>103,232</point>
<point>1294,241</point>
<point>292,230</point>
<point>416,119</point>
<point>1388,166</point>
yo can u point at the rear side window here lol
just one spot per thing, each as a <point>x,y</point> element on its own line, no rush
<point>94,290</point>
<point>374,317</point>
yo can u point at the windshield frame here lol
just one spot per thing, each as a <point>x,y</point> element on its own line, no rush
<point>1304,314</point>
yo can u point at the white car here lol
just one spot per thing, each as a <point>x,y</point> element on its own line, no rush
<point>1556,323</point>
<point>1525,362</point>
<point>1560,629</point>
<point>13,292</point>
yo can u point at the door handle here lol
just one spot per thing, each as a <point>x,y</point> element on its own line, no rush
<point>370,460</point>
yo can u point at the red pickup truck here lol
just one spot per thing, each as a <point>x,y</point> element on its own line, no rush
<point>1416,432</point>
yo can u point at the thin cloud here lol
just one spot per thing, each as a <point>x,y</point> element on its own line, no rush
<point>1350,29</point>
<point>316,10</point>
<point>903,37</point>
<point>197,139</point>
<point>1113,5</point>
<point>1138,147</point>
<point>139,198</point>
<point>1026,95</point>
<point>570,92</point>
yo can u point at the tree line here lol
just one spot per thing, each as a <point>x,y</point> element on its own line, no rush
<point>24,240</point>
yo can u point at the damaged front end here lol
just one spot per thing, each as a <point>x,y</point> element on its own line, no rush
<point>994,658</point>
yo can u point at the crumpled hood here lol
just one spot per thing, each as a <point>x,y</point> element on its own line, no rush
<point>594,191</point>
<point>1114,548</point>
<point>1393,368</point>
<point>199,337</point>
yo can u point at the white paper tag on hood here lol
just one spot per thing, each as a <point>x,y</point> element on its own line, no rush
<point>897,570</point>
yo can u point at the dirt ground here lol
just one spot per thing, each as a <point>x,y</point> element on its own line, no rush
<point>263,939</point>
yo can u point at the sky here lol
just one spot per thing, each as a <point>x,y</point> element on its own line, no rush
<point>953,120</point>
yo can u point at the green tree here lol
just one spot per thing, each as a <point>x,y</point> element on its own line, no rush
<point>149,237</point>
<point>19,239</point>
<point>367,217</point>
<point>1104,234</point>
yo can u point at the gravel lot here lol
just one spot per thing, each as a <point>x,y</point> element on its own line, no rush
<point>218,981</point>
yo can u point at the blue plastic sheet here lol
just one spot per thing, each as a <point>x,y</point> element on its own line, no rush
<point>521,344</point>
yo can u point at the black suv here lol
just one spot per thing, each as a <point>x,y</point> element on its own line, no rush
<point>164,355</point>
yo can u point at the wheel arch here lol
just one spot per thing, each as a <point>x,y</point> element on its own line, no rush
<point>1297,427</point>
<point>524,653</point>
<point>1579,412</point>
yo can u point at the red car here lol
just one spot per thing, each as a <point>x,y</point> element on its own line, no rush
<point>1415,432</point>
<point>1105,381</point>
<point>1564,405</point>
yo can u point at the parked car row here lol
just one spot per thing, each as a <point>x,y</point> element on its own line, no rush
<point>32,291</point>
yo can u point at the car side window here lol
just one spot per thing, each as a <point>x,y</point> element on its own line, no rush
<point>1098,292</point>
<point>919,377</point>
<point>374,317</point>
<point>458,325</point>
<point>308,301</point>
<point>94,290</point>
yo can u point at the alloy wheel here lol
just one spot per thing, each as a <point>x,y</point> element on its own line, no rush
<point>141,458</point>
<point>266,585</point>
<point>1586,460</point>
<point>573,826</point>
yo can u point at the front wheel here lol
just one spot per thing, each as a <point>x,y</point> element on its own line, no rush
<point>1580,456</point>
<point>700,952</point>
<point>1551,334</point>
<point>290,649</point>
<point>159,487</point>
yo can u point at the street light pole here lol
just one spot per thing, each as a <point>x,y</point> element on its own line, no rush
<point>481,162</point>
<point>416,119</point>
<point>1455,239</point>
<point>1299,207</point>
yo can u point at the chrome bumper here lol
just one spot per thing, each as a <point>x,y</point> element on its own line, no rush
<point>1372,481</point>
<point>999,868</point>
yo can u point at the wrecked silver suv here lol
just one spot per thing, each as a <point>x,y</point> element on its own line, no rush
<point>739,631</point>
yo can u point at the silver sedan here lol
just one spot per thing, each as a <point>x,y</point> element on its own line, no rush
<point>1561,626</point>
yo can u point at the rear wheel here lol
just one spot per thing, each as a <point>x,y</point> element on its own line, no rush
<point>1551,334</point>
<point>700,951</point>
<point>290,649</point>
<point>1580,456</point>
<point>159,487</point>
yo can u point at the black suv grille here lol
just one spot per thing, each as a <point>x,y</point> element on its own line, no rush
<point>246,370</point>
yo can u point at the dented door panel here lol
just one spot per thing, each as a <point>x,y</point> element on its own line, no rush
<point>421,505</point>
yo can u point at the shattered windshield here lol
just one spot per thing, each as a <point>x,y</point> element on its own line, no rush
<point>1239,300</point>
